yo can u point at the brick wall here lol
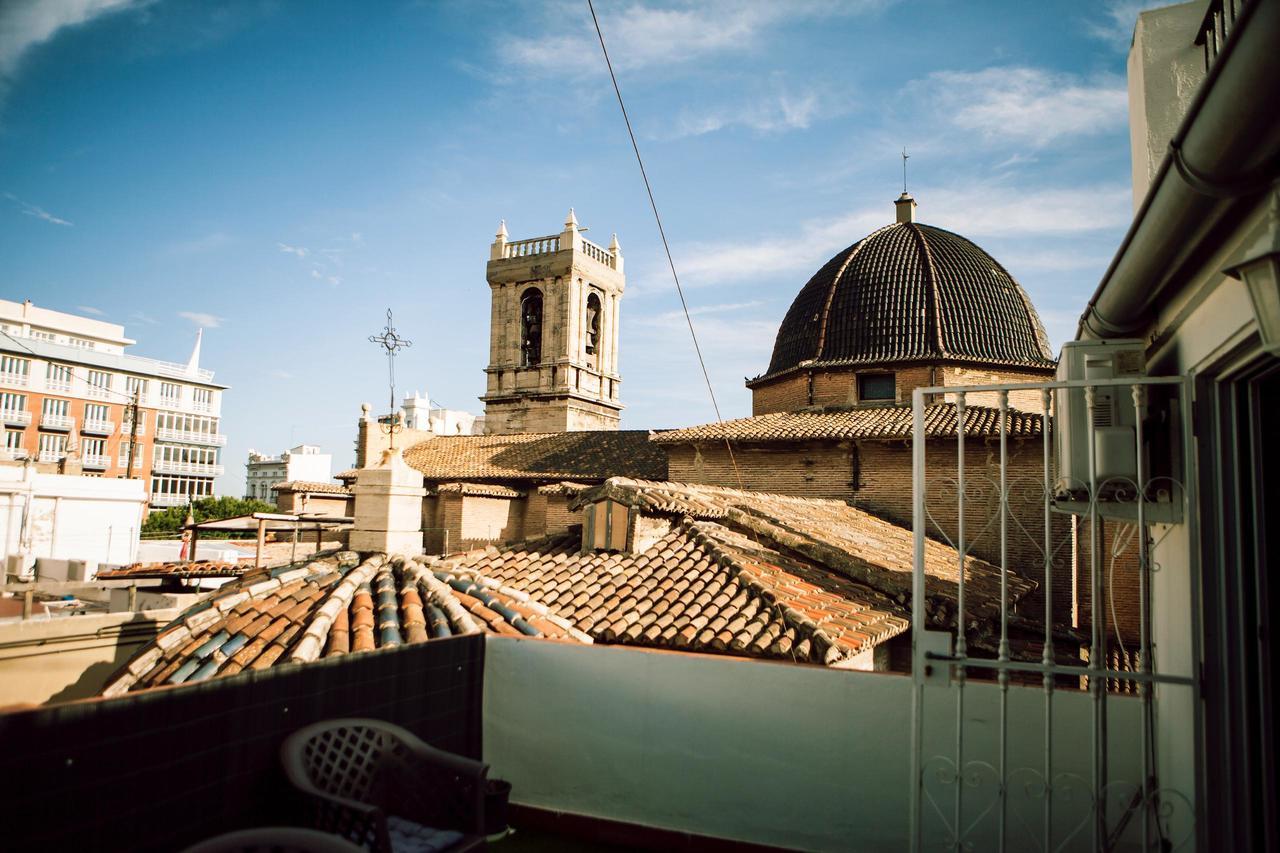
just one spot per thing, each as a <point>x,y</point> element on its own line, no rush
<point>1027,401</point>
<point>485,519</point>
<point>1119,579</point>
<point>804,389</point>
<point>816,469</point>
<point>785,394</point>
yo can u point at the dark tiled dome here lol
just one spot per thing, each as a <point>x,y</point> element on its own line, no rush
<point>910,292</point>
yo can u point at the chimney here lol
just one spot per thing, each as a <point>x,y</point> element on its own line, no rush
<point>906,207</point>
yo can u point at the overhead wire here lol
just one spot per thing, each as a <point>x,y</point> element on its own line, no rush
<point>715,406</point>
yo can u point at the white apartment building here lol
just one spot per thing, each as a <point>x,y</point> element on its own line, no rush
<point>302,463</point>
<point>66,383</point>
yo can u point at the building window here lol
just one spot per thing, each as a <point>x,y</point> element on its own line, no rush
<point>96,412</point>
<point>58,376</point>
<point>202,397</point>
<point>170,393</point>
<point>135,385</point>
<point>126,425</point>
<point>53,446</point>
<point>43,336</point>
<point>93,451</point>
<point>874,387</point>
<point>82,343</point>
<point>13,402</point>
<point>55,407</point>
<point>593,323</point>
<point>531,327</point>
<point>13,440</point>
<point>14,370</point>
<point>99,383</point>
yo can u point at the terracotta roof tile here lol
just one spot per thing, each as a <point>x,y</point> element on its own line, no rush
<point>176,569</point>
<point>881,422</point>
<point>561,456</point>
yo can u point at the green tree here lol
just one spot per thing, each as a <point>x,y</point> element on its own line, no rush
<point>170,521</point>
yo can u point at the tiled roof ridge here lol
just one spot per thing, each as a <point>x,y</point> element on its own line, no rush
<point>313,639</point>
<point>486,490</point>
<point>312,486</point>
<point>187,631</point>
<point>627,491</point>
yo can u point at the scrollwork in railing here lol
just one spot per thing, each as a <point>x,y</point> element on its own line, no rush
<point>1068,803</point>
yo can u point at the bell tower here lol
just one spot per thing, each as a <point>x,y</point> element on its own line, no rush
<point>553,335</point>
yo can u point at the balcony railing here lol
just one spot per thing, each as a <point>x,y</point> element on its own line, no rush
<point>52,421</point>
<point>532,246</point>
<point>98,426</point>
<point>57,385</point>
<point>126,428</point>
<point>18,417</point>
<point>1219,20</point>
<point>96,460</point>
<point>173,500</point>
<point>124,461</point>
<point>51,455</point>
<point>198,469</point>
<point>21,380</point>
<point>99,392</point>
<point>212,439</point>
<point>13,454</point>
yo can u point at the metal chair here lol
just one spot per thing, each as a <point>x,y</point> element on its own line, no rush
<point>381,787</point>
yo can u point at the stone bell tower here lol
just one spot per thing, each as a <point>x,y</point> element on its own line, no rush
<point>553,338</point>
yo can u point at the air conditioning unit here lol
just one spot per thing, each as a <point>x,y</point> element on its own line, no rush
<point>1113,423</point>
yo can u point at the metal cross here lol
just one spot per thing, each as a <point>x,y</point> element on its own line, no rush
<point>905,156</point>
<point>392,343</point>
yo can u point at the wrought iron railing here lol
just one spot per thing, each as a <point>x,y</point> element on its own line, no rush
<point>1095,785</point>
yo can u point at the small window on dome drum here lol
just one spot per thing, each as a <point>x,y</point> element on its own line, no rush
<point>876,387</point>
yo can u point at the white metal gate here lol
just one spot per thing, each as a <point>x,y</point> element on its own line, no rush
<point>1054,765</point>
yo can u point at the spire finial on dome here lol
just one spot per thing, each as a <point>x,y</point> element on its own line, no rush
<point>905,157</point>
<point>571,221</point>
<point>502,230</point>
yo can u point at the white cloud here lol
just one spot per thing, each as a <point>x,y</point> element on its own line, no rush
<point>27,23</point>
<point>89,309</point>
<point>300,251</point>
<point>281,374</point>
<point>1026,106</point>
<point>315,273</point>
<point>206,321</point>
<point>144,318</point>
<point>769,114</point>
<point>37,212</point>
<point>644,36</point>
<point>1118,19</point>
<point>981,210</point>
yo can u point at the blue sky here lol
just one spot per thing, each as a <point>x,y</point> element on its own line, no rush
<point>281,173</point>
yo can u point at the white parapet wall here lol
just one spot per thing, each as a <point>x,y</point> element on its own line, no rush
<point>772,753</point>
<point>69,517</point>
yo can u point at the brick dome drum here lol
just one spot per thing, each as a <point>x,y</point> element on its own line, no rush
<point>910,293</point>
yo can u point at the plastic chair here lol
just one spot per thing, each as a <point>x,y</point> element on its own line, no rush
<point>381,787</point>
<point>275,839</point>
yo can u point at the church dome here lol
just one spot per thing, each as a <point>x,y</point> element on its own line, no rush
<point>910,292</point>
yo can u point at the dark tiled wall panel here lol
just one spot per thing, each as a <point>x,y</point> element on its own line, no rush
<point>162,769</point>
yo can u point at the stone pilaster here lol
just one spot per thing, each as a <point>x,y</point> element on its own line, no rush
<point>388,509</point>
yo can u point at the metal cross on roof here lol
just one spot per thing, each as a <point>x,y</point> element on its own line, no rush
<point>392,343</point>
<point>905,157</point>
